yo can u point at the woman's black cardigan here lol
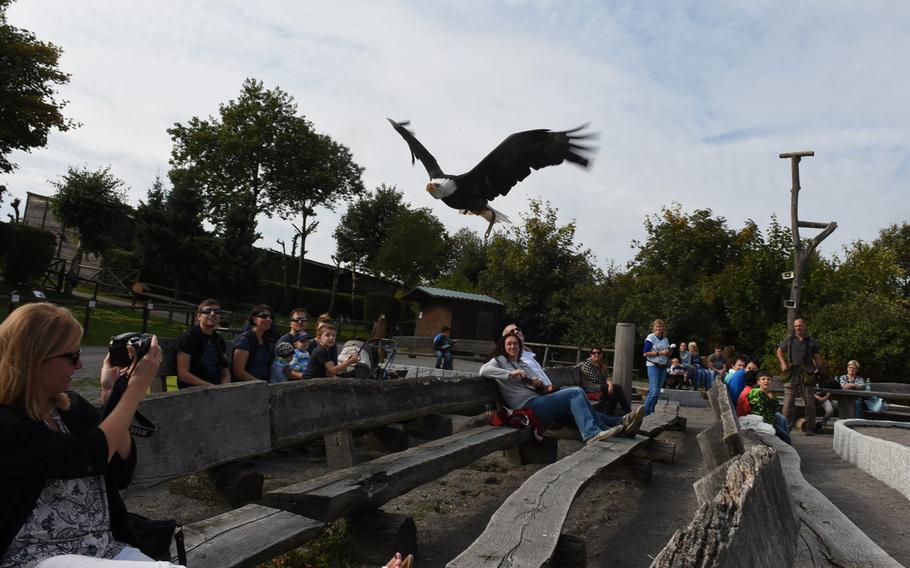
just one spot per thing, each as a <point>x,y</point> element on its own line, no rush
<point>32,454</point>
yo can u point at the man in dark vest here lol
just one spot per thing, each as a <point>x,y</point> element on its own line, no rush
<point>201,352</point>
<point>799,362</point>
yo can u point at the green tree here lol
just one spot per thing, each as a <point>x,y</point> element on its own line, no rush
<point>258,156</point>
<point>538,271</point>
<point>29,104</point>
<point>365,226</point>
<point>467,259</point>
<point>415,247</point>
<point>88,201</point>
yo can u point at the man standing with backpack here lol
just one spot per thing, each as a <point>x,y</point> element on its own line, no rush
<point>799,363</point>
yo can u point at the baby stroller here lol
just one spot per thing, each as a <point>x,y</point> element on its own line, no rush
<point>374,355</point>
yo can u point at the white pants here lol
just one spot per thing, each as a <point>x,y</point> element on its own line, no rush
<point>128,558</point>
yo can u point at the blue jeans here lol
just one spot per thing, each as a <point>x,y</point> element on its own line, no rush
<point>571,401</point>
<point>443,360</point>
<point>656,377</point>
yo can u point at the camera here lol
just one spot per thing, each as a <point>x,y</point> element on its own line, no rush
<point>120,355</point>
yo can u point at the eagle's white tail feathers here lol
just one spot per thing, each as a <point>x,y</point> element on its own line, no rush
<point>494,216</point>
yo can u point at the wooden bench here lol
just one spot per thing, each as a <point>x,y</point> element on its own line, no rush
<point>525,530</point>
<point>846,398</point>
<point>245,537</point>
<point>754,493</point>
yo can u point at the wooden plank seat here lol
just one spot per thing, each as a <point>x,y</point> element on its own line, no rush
<point>372,484</point>
<point>245,537</point>
<point>524,531</point>
<point>845,399</point>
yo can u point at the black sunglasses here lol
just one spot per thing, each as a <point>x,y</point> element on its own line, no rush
<point>211,311</point>
<point>73,357</point>
<point>264,315</point>
<point>597,352</point>
<point>300,320</point>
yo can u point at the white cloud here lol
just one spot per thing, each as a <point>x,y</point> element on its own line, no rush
<point>694,101</point>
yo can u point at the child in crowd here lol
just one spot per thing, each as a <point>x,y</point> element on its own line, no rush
<point>301,359</point>
<point>766,405</point>
<point>676,375</point>
<point>324,359</point>
<point>281,370</point>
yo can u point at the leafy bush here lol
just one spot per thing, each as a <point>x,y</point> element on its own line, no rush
<point>26,252</point>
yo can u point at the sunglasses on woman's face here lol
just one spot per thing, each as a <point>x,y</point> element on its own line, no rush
<point>597,352</point>
<point>73,357</point>
<point>264,315</point>
<point>211,311</point>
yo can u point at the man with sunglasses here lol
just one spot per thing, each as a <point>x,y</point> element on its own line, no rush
<point>299,319</point>
<point>528,356</point>
<point>201,351</point>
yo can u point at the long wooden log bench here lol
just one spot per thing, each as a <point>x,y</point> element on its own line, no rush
<point>525,530</point>
<point>753,499</point>
<point>199,429</point>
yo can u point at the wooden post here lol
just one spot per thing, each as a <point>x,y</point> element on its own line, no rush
<point>801,253</point>
<point>339,449</point>
<point>624,356</point>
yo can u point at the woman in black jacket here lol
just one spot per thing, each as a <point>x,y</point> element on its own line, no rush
<point>63,466</point>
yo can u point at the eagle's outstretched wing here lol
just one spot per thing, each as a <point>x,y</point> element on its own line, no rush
<point>511,161</point>
<point>417,149</point>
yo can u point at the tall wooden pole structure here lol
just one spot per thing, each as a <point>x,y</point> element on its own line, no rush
<point>801,252</point>
<point>624,356</point>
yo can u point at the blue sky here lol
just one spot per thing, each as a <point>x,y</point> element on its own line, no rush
<point>694,101</point>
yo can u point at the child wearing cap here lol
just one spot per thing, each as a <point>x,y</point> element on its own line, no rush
<point>281,370</point>
<point>301,358</point>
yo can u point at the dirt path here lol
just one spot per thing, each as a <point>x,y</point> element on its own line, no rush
<point>878,510</point>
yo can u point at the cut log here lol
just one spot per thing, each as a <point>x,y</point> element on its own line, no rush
<point>245,537</point>
<point>640,468</point>
<point>379,535</point>
<point>753,500</point>
<point>708,486</point>
<point>662,451</point>
<point>711,443</point>
<point>374,483</point>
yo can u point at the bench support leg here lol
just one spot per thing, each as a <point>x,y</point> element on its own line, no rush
<point>533,451</point>
<point>339,450</point>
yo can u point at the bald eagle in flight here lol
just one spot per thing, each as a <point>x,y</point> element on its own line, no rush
<point>508,164</point>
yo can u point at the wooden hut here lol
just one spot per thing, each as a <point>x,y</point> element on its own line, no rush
<point>471,316</point>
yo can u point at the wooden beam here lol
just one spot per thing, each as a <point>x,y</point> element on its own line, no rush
<point>245,537</point>
<point>524,530</point>
<point>374,483</point>
<point>305,410</point>
<point>199,428</point>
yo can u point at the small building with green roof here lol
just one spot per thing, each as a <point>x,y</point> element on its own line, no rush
<point>471,316</point>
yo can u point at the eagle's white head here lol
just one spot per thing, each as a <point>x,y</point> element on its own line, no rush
<point>441,187</point>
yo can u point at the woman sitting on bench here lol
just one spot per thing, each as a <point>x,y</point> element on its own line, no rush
<point>521,389</point>
<point>63,466</point>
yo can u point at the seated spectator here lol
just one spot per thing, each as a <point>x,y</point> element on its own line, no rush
<point>738,372</point>
<point>301,359</point>
<point>699,376</point>
<point>676,374</point>
<point>852,381</point>
<point>64,463</point>
<point>594,377</point>
<point>717,362</point>
<point>324,360</point>
<point>743,408</point>
<point>201,351</point>
<point>766,405</point>
<point>299,318</point>
<point>685,358</point>
<point>520,388</point>
<point>281,370</point>
<point>253,354</point>
<point>442,345</point>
